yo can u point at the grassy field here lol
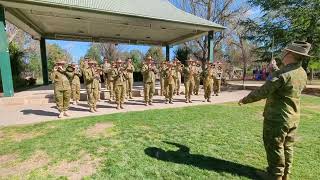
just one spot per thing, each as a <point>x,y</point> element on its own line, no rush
<point>201,142</point>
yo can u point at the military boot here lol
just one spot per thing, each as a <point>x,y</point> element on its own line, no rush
<point>118,107</point>
<point>95,109</point>
<point>285,176</point>
<point>209,100</point>
<point>121,106</point>
<point>187,101</point>
<point>266,176</point>
<point>60,115</point>
<point>66,114</point>
<point>91,110</point>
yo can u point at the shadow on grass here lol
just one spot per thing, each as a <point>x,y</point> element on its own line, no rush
<point>183,156</point>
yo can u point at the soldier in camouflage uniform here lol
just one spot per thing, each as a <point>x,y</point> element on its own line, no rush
<point>189,71</point>
<point>170,76</point>
<point>110,80</point>
<point>120,77</point>
<point>62,90</point>
<point>162,71</point>
<point>197,77</point>
<point>130,69</point>
<point>149,77</point>
<point>75,84</point>
<point>282,110</point>
<point>217,80</point>
<point>179,69</point>
<point>91,81</point>
<point>208,80</point>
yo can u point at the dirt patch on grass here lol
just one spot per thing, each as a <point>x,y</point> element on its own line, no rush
<point>76,170</point>
<point>312,107</point>
<point>24,136</point>
<point>11,166</point>
<point>99,130</point>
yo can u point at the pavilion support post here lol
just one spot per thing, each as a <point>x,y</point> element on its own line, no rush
<point>44,61</point>
<point>210,47</point>
<point>5,66</point>
<point>167,53</point>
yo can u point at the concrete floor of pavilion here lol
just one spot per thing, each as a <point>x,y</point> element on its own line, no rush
<point>42,110</point>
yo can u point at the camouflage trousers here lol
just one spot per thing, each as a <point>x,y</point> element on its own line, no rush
<point>62,98</point>
<point>278,141</point>
<point>110,85</point>
<point>196,85</point>
<point>120,94</point>
<point>129,87</point>
<point>162,87</point>
<point>93,97</point>
<point>189,87</point>
<point>178,84</point>
<point>217,86</point>
<point>75,92</point>
<point>148,90</point>
<point>169,89</point>
<point>208,88</point>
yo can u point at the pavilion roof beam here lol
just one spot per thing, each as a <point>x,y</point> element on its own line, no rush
<point>15,16</point>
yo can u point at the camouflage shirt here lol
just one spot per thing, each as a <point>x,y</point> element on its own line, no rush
<point>283,93</point>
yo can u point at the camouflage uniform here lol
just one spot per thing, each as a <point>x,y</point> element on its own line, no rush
<point>110,80</point>
<point>178,78</point>
<point>208,80</point>
<point>281,115</point>
<point>197,75</point>
<point>148,72</point>
<point>120,77</point>
<point>62,89</point>
<point>170,77</point>
<point>75,86</point>
<point>130,69</point>
<point>189,82</point>
<point>162,71</point>
<point>217,82</point>
<point>92,86</point>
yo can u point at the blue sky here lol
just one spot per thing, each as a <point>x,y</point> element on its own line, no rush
<point>79,49</point>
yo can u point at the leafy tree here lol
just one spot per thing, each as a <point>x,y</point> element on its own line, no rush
<point>56,53</point>
<point>182,53</point>
<point>137,57</point>
<point>16,58</point>
<point>94,52</point>
<point>156,53</point>
<point>285,21</point>
<point>34,65</point>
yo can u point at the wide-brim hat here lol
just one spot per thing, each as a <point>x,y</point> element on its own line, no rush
<point>61,62</point>
<point>299,47</point>
<point>149,58</point>
<point>92,62</point>
<point>118,61</point>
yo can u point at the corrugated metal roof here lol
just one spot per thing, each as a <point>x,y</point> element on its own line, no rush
<point>155,9</point>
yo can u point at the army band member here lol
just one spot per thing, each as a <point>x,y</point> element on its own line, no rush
<point>282,110</point>
<point>217,81</point>
<point>120,77</point>
<point>107,69</point>
<point>197,77</point>
<point>148,72</point>
<point>84,63</point>
<point>91,80</point>
<point>208,80</point>
<point>170,76</point>
<point>130,69</point>
<point>62,89</point>
<point>162,71</point>
<point>75,83</point>
<point>189,71</point>
<point>178,68</point>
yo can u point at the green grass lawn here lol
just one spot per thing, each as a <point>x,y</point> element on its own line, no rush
<point>202,142</point>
